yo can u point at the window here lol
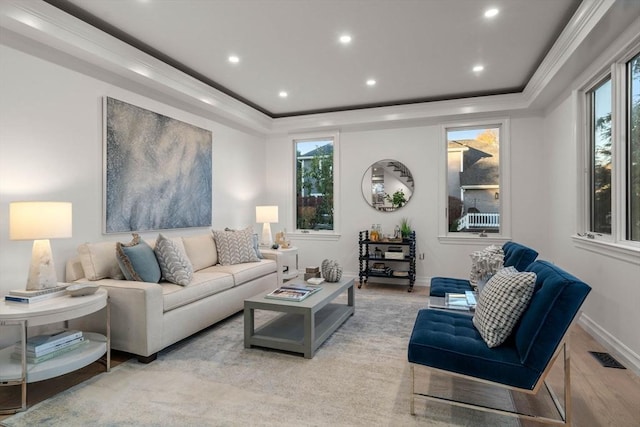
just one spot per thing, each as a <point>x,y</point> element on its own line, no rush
<point>600,142</point>
<point>315,183</point>
<point>475,176</point>
<point>612,181</point>
<point>633,150</point>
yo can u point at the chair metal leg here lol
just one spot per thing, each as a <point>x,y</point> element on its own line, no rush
<point>563,410</point>
<point>413,390</point>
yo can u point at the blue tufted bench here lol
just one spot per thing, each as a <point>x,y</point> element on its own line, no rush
<point>515,255</point>
<point>447,341</point>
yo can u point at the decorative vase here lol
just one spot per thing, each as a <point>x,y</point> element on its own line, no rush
<point>331,271</point>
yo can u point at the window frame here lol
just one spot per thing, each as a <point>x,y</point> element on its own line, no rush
<point>615,244</point>
<point>444,235</point>
<point>316,234</point>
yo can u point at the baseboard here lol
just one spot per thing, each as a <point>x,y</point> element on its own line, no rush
<point>621,352</point>
<point>420,280</point>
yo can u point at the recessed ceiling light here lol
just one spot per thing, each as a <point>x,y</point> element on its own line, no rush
<point>478,68</point>
<point>283,94</point>
<point>345,39</point>
<point>234,59</point>
<point>371,82</point>
<point>490,13</point>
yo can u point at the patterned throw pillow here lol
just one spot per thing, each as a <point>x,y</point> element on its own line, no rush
<point>256,243</point>
<point>501,303</point>
<point>174,264</point>
<point>235,247</point>
<point>485,263</point>
<point>137,261</point>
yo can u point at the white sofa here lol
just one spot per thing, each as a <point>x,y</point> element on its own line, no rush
<point>147,317</point>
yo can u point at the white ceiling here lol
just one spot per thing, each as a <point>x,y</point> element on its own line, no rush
<point>416,50</point>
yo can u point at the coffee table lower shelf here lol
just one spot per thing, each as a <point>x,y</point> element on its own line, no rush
<point>286,332</point>
<point>303,326</point>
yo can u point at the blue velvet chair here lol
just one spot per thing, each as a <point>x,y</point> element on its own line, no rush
<point>515,255</point>
<point>448,342</point>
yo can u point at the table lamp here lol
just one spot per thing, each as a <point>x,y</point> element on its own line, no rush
<point>40,221</point>
<point>266,215</point>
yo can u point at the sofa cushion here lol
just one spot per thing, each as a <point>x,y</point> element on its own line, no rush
<point>448,340</point>
<point>204,284</point>
<point>99,261</point>
<point>501,303</point>
<point>440,286</point>
<point>201,250</point>
<point>235,247</point>
<point>245,272</point>
<point>138,261</point>
<point>174,264</point>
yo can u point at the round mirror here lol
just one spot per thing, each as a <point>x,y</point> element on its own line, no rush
<point>387,185</point>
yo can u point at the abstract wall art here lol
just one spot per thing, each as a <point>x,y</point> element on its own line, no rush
<point>157,171</point>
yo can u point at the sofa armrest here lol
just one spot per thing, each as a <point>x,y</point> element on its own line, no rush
<point>277,257</point>
<point>136,316</point>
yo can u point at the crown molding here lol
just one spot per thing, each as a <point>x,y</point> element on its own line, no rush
<point>583,21</point>
<point>46,25</point>
<point>41,23</point>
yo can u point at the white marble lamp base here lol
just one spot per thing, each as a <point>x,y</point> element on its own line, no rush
<point>42,271</point>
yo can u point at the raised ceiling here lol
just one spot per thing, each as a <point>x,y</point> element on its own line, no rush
<point>416,50</point>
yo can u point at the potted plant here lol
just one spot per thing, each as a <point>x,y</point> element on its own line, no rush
<point>397,200</point>
<point>405,228</point>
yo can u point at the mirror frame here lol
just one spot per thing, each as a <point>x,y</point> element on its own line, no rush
<point>374,192</point>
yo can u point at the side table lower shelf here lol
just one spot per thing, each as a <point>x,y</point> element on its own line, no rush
<point>60,365</point>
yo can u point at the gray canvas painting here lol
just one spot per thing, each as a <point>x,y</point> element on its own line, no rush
<point>157,171</point>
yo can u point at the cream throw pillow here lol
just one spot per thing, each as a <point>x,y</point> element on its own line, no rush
<point>99,261</point>
<point>485,263</point>
<point>201,251</point>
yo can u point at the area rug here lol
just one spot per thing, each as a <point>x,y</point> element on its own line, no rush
<point>359,377</point>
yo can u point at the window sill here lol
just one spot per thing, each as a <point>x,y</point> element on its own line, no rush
<point>314,235</point>
<point>618,251</point>
<point>473,239</point>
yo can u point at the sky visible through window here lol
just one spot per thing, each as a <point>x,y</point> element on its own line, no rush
<point>305,147</point>
<point>458,135</point>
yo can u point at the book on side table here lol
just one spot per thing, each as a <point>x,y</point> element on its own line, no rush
<point>28,296</point>
<point>44,347</point>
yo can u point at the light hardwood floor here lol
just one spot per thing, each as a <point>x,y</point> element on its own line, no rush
<point>601,396</point>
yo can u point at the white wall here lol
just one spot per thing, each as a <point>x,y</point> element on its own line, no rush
<point>611,310</point>
<point>418,147</point>
<point>51,149</point>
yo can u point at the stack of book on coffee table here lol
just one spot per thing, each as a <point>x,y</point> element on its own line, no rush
<point>46,347</point>
<point>293,292</point>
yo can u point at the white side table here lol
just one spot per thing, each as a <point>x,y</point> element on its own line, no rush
<point>60,309</point>
<point>289,258</point>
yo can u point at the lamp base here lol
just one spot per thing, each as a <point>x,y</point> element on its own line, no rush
<point>42,271</point>
<point>267,240</point>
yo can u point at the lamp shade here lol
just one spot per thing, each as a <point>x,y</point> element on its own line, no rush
<point>267,214</point>
<point>40,220</point>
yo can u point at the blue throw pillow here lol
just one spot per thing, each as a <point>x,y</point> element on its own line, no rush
<point>138,261</point>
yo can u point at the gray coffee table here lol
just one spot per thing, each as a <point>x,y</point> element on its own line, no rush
<point>304,325</point>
